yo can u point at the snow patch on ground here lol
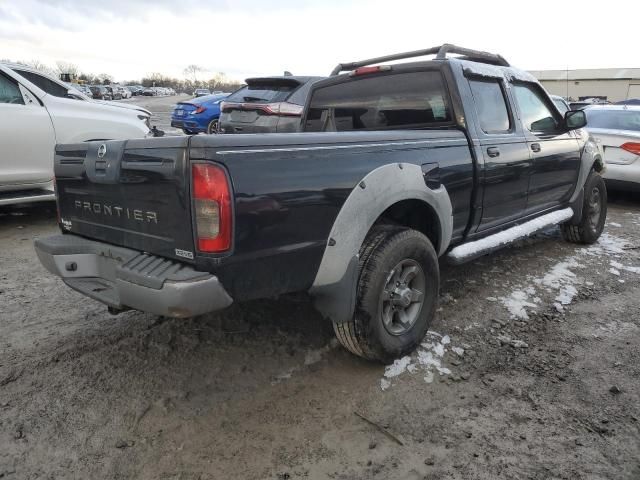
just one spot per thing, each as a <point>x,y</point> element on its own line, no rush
<point>516,304</point>
<point>312,356</point>
<point>614,224</point>
<point>619,266</point>
<point>607,244</point>
<point>562,281</point>
<point>426,359</point>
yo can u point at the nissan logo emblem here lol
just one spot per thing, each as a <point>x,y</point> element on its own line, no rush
<point>102,150</point>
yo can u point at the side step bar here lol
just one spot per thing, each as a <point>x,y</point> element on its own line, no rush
<point>15,198</point>
<point>478,248</point>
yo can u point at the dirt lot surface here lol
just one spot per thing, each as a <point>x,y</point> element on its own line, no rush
<point>531,371</point>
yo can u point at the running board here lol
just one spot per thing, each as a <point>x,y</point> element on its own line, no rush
<point>478,248</point>
<point>15,198</point>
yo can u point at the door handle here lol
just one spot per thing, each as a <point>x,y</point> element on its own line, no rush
<point>493,152</point>
<point>535,147</point>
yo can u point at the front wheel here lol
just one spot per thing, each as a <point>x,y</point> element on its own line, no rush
<point>396,296</point>
<point>594,213</point>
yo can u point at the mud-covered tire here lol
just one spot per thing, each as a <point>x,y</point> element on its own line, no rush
<point>382,327</point>
<point>594,213</point>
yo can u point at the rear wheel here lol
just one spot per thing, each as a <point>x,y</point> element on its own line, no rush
<point>396,296</point>
<point>212,128</point>
<point>594,213</point>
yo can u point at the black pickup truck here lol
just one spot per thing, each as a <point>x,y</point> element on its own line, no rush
<point>397,165</point>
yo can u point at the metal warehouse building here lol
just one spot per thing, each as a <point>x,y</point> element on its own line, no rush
<point>613,84</point>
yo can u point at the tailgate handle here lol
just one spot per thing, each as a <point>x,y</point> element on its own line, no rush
<point>102,162</point>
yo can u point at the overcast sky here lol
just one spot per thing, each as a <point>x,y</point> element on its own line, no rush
<point>133,38</point>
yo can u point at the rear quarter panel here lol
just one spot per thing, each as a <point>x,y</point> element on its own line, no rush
<point>289,189</point>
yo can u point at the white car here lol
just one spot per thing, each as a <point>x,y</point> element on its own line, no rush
<point>126,93</point>
<point>37,112</point>
<point>616,128</point>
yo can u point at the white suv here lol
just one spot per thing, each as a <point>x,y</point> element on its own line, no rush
<point>37,112</point>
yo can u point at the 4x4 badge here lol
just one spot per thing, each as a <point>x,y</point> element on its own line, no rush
<point>102,150</point>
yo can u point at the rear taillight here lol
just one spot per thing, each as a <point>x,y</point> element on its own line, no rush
<point>212,206</point>
<point>631,147</point>
<point>283,109</point>
<point>200,109</point>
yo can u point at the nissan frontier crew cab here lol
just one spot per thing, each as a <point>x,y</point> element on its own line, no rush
<point>397,164</point>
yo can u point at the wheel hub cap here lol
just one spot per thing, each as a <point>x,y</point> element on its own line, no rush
<point>402,297</point>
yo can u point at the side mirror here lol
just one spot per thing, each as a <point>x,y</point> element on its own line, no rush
<point>574,119</point>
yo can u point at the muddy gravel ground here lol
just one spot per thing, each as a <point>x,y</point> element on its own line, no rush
<point>531,371</point>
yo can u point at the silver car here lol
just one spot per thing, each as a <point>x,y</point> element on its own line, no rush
<point>617,129</point>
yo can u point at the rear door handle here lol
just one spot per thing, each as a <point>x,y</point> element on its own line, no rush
<point>493,152</point>
<point>535,147</point>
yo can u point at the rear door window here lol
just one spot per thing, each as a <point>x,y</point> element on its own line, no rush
<point>399,101</point>
<point>45,84</point>
<point>491,106</point>
<point>9,91</point>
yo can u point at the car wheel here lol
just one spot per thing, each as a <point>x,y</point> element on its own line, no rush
<point>594,213</point>
<point>212,128</point>
<point>397,295</point>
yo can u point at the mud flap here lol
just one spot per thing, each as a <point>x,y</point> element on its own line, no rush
<point>337,301</point>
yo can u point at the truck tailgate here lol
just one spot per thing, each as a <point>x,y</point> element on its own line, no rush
<point>132,193</point>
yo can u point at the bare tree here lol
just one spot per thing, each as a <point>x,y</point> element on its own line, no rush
<point>105,78</point>
<point>40,66</point>
<point>67,67</point>
<point>192,71</point>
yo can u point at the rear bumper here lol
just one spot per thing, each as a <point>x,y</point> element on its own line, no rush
<point>619,175</point>
<point>122,278</point>
<point>188,124</point>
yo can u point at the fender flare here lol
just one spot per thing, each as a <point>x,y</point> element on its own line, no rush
<point>591,158</point>
<point>335,284</point>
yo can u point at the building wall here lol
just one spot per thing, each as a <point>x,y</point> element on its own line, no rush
<point>614,90</point>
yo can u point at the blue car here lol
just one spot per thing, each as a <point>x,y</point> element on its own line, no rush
<point>198,115</point>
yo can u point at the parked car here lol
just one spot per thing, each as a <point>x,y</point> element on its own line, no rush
<point>266,105</point>
<point>400,164</point>
<point>55,87</point>
<point>201,92</point>
<point>36,113</point>
<point>136,89</point>
<point>115,92</point>
<point>149,92</point>
<point>100,92</point>
<point>199,115</point>
<point>560,103</point>
<point>84,89</point>
<point>617,129</point>
<point>124,91</point>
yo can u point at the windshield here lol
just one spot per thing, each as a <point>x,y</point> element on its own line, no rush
<point>613,119</point>
<point>262,93</point>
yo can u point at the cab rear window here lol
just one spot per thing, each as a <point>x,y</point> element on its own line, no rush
<point>399,101</point>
